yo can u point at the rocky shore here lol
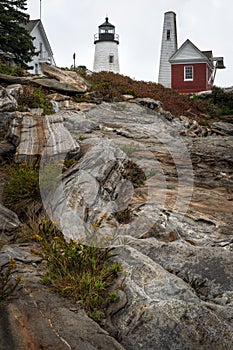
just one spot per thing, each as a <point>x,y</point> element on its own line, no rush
<point>175,247</point>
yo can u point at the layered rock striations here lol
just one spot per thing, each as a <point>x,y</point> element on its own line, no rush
<point>175,243</point>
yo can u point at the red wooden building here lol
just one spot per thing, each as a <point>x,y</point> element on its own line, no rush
<point>187,69</point>
<point>191,69</point>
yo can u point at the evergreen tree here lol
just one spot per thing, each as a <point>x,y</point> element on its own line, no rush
<point>14,38</point>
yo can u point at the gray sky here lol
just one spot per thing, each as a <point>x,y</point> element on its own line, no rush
<point>71,24</point>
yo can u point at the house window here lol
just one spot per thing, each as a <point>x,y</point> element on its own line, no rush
<point>168,34</point>
<point>111,59</point>
<point>188,73</point>
<point>36,68</point>
<point>41,49</point>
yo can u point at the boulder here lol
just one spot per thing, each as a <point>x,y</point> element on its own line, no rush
<point>6,149</point>
<point>7,101</point>
<point>173,230</point>
<point>224,127</point>
<point>36,318</point>
<point>15,90</point>
<point>30,132</point>
<point>10,79</point>
<point>58,80</point>
<point>9,223</point>
<point>91,192</point>
<point>5,120</point>
<point>66,77</point>
<point>150,103</point>
<point>164,312</point>
<point>58,86</point>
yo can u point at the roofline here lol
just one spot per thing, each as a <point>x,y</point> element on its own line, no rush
<point>170,12</point>
<point>39,24</point>
<point>192,61</point>
<point>205,58</point>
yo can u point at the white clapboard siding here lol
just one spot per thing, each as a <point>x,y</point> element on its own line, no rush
<point>104,49</point>
<point>168,47</point>
<point>188,52</point>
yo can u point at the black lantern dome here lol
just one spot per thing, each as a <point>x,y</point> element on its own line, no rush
<point>106,33</point>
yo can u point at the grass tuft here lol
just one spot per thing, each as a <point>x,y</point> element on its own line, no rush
<point>22,188</point>
<point>82,273</point>
<point>7,285</point>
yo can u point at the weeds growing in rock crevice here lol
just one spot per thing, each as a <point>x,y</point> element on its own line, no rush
<point>22,187</point>
<point>198,284</point>
<point>86,274</point>
<point>7,283</point>
<point>124,216</point>
<point>35,98</point>
<point>11,70</point>
<point>82,273</point>
<point>134,173</point>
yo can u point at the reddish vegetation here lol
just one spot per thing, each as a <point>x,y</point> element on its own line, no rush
<point>111,87</point>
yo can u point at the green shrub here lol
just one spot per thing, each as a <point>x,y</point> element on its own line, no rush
<point>130,149</point>
<point>223,100</point>
<point>83,273</point>
<point>22,187</point>
<point>11,70</point>
<point>35,98</point>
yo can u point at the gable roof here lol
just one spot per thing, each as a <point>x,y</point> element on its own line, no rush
<point>208,54</point>
<point>33,24</point>
<point>189,53</point>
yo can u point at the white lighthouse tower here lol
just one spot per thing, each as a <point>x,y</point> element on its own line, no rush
<point>106,49</point>
<point>168,47</point>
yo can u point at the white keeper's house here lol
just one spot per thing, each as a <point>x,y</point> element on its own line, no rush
<point>42,45</point>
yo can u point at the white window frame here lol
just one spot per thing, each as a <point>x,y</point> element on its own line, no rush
<point>188,73</point>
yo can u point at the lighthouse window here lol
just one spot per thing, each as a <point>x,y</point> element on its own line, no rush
<point>111,59</point>
<point>168,34</point>
<point>188,73</point>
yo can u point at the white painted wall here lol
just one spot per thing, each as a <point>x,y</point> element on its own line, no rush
<point>43,57</point>
<point>103,49</point>
<point>168,47</point>
<point>189,52</point>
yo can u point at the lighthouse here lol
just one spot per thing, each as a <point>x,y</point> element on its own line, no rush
<point>168,47</point>
<point>106,48</point>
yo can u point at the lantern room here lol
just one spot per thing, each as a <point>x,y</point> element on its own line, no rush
<point>106,33</point>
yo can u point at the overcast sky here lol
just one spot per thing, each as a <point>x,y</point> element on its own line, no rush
<point>71,24</point>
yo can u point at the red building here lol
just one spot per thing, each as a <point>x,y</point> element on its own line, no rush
<point>187,69</point>
<point>191,69</point>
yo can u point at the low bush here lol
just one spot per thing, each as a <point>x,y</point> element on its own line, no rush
<point>130,149</point>
<point>111,87</point>
<point>35,98</point>
<point>83,273</point>
<point>22,187</point>
<point>11,70</point>
<point>222,100</point>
